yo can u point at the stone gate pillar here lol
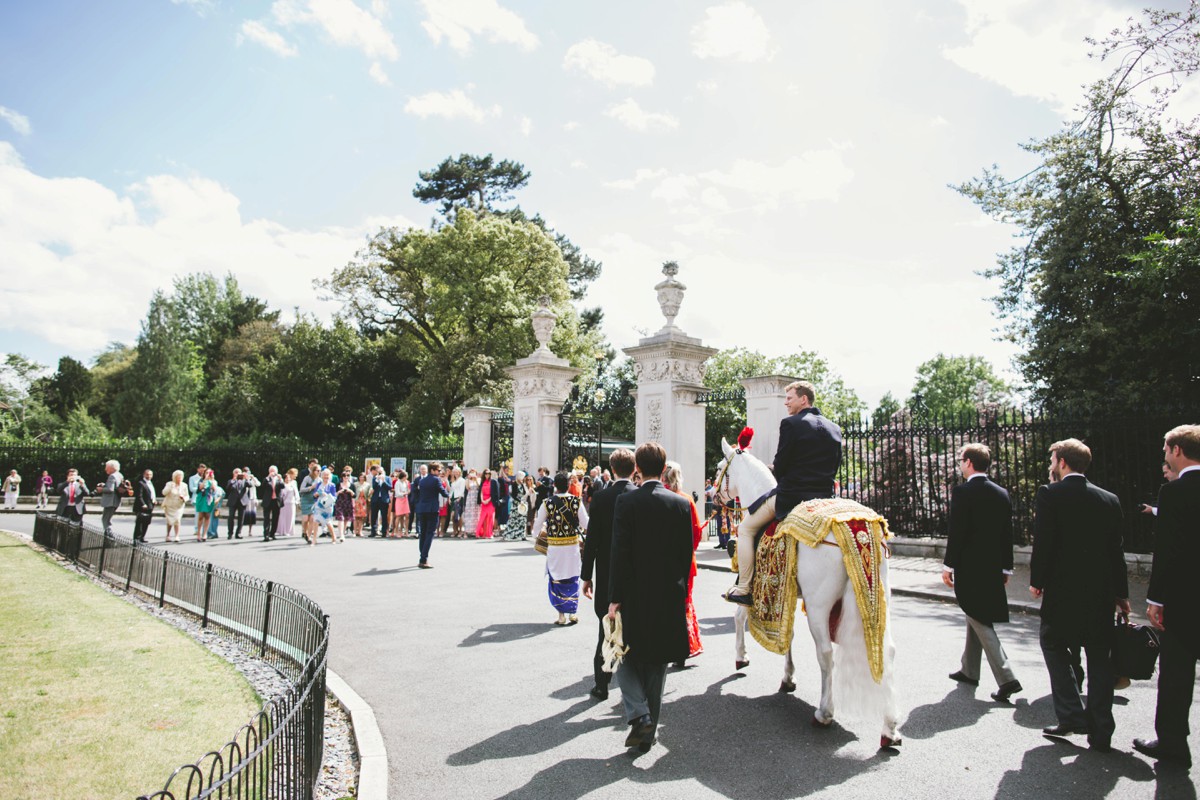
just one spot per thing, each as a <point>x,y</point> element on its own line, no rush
<point>764,410</point>
<point>670,373</point>
<point>477,437</point>
<point>541,384</point>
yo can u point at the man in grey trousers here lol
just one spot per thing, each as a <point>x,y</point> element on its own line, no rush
<point>110,493</point>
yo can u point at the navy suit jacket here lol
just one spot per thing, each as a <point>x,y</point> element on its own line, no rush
<point>431,488</point>
<point>381,490</point>
<point>807,459</point>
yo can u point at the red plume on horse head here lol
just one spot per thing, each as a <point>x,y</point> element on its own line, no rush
<point>744,438</point>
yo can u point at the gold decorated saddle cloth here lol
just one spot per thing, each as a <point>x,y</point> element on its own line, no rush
<point>861,535</point>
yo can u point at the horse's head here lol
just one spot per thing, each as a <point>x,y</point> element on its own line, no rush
<point>739,474</point>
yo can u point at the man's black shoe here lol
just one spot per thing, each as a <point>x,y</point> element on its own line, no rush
<point>1064,730</point>
<point>598,693</point>
<point>740,599</point>
<point>962,678</point>
<point>1100,746</point>
<point>1155,749</point>
<point>1006,691</point>
<point>642,732</point>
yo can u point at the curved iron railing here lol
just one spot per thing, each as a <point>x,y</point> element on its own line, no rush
<point>277,754</point>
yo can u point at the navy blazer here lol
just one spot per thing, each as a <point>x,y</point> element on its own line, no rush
<point>807,459</point>
<point>381,490</point>
<point>431,488</point>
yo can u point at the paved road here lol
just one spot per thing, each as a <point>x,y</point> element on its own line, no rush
<point>479,696</point>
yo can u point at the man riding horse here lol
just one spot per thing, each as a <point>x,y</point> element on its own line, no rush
<point>806,464</point>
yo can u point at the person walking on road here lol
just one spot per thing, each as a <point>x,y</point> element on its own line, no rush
<point>430,491</point>
<point>1173,604</point>
<point>1078,570</point>
<point>979,561</point>
<point>597,549</point>
<point>110,494</point>
<point>651,558</point>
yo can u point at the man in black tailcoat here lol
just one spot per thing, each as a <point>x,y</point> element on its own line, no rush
<point>235,505</point>
<point>979,560</point>
<point>1172,598</point>
<point>1078,569</point>
<point>597,550</point>
<point>272,502</point>
<point>651,559</point>
<point>143,505</point>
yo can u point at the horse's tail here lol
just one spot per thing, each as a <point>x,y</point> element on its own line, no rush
<point>855,691</point>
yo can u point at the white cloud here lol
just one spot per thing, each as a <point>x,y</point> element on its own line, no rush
<point>707,86</point>
<point>454,104</point>
<point>733,31</point>
<point>378,74</point>
<point>640,176</point>
<point>457,21</point>
<point>570,126</point>
<point>632,116</point>
<point>675,188</point>
<point>345,23</point>
<point>140,239</point>
<point>579,164</point>
<point>602,62</point>
<point>938,122</point>
<point>1049,38</point>
<point>810,176</point>
<point>17,121</point>
<point>201,7</point>
<point>526,126</point>
<point>256,31</point>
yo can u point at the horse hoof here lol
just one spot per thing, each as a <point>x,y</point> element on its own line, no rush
<point>787,687</point>
<point>741,665</point>
<point>817,723</point>
<point>887,741</point>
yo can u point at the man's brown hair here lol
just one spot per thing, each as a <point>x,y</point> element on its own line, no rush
<point>650,458</point>
<point>621,462</point>
<point>1187,439</point>
<point>802,389</point>
<point>1074,453</point>
<point>978,454</point>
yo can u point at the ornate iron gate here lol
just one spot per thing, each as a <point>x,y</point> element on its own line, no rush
<point>502,438</point>
<point>590,439</point>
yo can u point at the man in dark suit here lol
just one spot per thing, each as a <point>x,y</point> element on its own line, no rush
<point>979,559</point>
<point>806,464</point>
<point>381,498</point>
<point>71,495</point>
<point>431,491</point>
<point>272,502</point>
<point>651,559</point>
<point>1172,599</point>
<point>143,505</point>
<point>597,550</point>
<point>1078,569</point>
<point>235,498</point>
<point>543,487</point>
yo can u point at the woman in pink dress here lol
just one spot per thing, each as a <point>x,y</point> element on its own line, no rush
<point>400,510</point>
<point>487,511</point>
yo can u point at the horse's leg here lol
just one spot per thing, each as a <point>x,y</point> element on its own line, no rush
<point>823,579</point>
<point>788,684</point>
<point>741,618</point>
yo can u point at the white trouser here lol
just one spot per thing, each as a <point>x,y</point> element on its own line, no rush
<point>747,532</point>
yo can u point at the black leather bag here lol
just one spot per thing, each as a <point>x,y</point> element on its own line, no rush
<point>1135,650</point>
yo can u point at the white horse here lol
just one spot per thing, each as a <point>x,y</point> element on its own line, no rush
<point>823,582</point>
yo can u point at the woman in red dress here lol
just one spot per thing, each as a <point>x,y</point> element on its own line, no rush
<point>673,480</point>
<point>487,511</point>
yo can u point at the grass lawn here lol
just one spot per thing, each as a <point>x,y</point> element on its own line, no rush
<point>97,698</point>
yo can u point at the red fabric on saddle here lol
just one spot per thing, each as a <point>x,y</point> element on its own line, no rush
<point>770,529</point>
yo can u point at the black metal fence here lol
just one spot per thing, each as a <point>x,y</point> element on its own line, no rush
<point>906,469</point>
<point>502,440</point>
<point>30,459</point>
<point>278,753</point>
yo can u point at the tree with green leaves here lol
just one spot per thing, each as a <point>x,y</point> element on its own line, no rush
<point>69,387</point>
<point>479,183</point>
<point>458,299</point>
<point>953,388</point>
<point>1099,292</point>
<point>160,396</point>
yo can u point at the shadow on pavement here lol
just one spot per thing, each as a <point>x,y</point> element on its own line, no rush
<point>800,760</point>
<point>958,709</point>
<point>375,572</point>
<point>508,632</point>
<point>1063,764</point>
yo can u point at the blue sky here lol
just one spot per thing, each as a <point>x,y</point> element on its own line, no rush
<point>793,156</point>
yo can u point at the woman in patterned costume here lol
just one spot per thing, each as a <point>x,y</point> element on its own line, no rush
<point>562,517</point>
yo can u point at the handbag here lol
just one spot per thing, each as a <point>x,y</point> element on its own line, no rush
<point>1135,650</point>
<point>542,544</point>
